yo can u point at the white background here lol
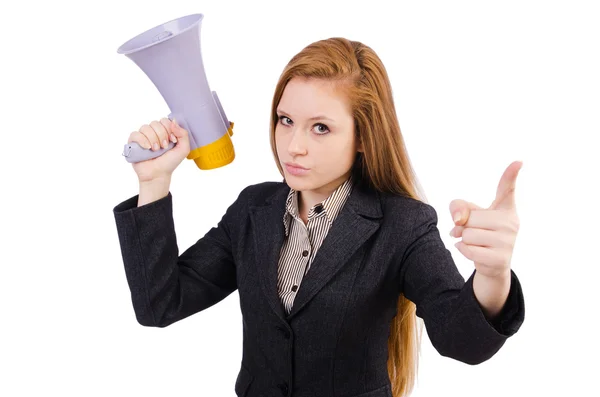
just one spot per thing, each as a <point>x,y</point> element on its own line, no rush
<point>477,85</point>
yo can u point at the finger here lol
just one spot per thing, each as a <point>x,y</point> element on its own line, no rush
<point>460,211</point>
<point>484,256</point>
<point>140,139</point>
<point>168,124</point>
<point>487,238</point>
<point>177,130</point>
<point>161,132</point>
<point>504,220</point>
<point>151,135</point>
<point>456,231</point>
<point>505,193</point>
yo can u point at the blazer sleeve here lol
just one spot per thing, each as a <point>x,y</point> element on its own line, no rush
<point>165,286</point>
<point>454,320</point>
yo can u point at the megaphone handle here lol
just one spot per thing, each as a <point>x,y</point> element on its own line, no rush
<point>134,153</point>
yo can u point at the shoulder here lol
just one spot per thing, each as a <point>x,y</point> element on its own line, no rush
<point>257,194</point>
<point>405,209</point>
<point>262,193</point>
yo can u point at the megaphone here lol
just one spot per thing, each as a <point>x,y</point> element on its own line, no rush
<point>170,55</point>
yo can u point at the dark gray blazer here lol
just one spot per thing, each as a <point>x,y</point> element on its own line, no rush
<point>334,342</point>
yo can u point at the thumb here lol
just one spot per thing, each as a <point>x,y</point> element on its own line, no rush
<point>460,211</point>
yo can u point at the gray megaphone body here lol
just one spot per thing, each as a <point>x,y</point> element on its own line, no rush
<point>170,55</point>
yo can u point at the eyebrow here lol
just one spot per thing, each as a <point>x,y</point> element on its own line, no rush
<point>312,118</point>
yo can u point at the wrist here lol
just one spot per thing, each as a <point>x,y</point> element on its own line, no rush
<point>496,276</point>
<point>157,181</point>
<point>153,190</point>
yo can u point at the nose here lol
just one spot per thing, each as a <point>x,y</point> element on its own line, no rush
<point>297,145</point>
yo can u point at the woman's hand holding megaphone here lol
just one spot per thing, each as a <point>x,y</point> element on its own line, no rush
<point>157,136</point>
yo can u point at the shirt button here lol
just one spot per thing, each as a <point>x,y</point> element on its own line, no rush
<point>305,253</point>
<point>284,388</point>
<point>318,208</point>
<point>294,288</point>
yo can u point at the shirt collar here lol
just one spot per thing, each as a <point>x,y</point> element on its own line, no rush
<point>332,205</point>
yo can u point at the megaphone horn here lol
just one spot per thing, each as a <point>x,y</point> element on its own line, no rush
<point>170,55</point>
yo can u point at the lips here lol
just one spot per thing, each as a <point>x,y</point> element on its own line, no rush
<point>298,166</point>
<point>296,169</point>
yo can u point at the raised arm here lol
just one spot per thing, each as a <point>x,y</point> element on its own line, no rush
<point>166,287</point>
<point>454,320</point>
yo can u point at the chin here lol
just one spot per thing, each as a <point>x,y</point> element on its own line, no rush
<point>299,183</point>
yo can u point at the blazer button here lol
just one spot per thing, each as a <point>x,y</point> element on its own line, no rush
<point>284,331</point>
<point>284,388</point>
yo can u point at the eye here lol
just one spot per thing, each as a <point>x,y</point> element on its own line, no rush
<point>283,120</point>
<point>322,129</point>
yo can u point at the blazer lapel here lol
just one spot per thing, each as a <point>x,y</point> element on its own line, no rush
<point>269,235</point>
<point>357,221</point>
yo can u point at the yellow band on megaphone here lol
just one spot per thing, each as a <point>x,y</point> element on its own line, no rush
<point>215,154</point>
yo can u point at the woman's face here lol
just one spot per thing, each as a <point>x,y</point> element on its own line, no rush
<point>315,132</point>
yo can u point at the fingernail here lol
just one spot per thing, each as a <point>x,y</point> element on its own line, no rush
<point>173,138</point>
<point>165,143</point>
<point>155,146</point>
<point>456,217</point>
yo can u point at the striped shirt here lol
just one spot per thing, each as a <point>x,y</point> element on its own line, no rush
<point>303,240</point>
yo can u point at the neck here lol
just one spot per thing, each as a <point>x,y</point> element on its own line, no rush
<point>308,198</point>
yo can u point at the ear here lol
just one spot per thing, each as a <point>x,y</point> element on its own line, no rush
<point>359,146</point>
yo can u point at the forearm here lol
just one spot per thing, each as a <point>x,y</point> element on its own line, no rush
<point>491,293</point>
<point>153,190</point>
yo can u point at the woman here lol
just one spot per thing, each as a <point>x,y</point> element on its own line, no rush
<point>333,264</point>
